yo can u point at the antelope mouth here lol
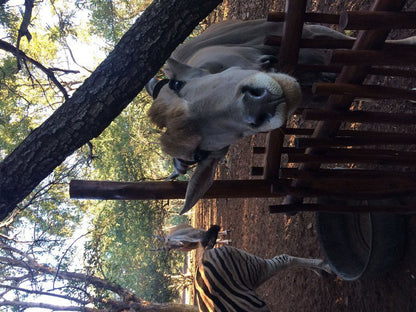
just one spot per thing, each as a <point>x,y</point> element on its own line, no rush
<point>291,90</point>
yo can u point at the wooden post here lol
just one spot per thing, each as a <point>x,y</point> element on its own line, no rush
<point>309,17</point>
<point>167,189</point>
<point>292,34</point>
<point>356,141</point>
<point>368,91</point>
<point>403,55</point>
<point>339,208</point>
<point>377,159</point>
<point>336,68</point>
<point>376,20</point>
<point>359,116</point>
<point>294,173</point>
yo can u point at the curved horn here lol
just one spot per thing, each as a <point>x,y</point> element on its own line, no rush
<point>154,85</point>
<point>202,179</point>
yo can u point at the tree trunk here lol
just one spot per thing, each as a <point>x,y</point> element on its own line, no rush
<point>140,53</point>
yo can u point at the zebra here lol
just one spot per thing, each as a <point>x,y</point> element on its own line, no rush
<point>227,277</point>
<point>184,237</point>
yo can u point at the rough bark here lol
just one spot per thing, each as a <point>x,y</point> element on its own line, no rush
<point>101,98</point>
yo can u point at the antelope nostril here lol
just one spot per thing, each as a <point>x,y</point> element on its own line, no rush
<point>253,92</point>
<point>261,119</point>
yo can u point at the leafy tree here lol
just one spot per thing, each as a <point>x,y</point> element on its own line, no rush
<point>110,19</point>
<point>35,79</point>
<point>80,291</point>
<point>137,57</point>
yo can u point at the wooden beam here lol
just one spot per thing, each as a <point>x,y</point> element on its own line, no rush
<point>294,173</point>
<point>309,17</point>
<point>359,116</point>
<point>85,189</point>
<point>329,158</point>
<point>336,68</point>
<point>405,139</point>
<point>292,34</point>
<point>377,20</point>
<point>400,56</point>
<point>340,208</point>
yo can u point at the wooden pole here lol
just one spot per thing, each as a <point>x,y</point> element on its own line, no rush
<point>348,133</point>
<point>83,189</point>
<point>309,17</point>
<point>377,159</point>
<point>367,91</point>
<point>403,55</point>
<point>376,20</point>
<point>294,173</point>
<point>292,34</point>
<point>340,208</point>
<point>336,68</point>
<point>356,141</point>
<point>359,116</point>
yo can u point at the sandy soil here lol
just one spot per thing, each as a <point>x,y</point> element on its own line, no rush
<point>257,231</point>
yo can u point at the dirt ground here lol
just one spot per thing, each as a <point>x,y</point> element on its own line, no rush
<point>257,231</point>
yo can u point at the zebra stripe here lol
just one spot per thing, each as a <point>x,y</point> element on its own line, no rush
<point>227,278</point>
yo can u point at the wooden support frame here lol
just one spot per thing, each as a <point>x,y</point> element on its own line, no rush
<point>309,180</point>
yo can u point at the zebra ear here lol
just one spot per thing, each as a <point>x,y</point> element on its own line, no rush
<point>202,179</point>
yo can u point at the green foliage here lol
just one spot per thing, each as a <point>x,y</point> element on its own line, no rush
<point>9,20</point>
<point>14,121</point>
<point>119,246</point>
<point>110,19</point>
<point>121,243</point>
<point>129,149</point>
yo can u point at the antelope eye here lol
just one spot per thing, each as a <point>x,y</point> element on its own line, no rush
<point>176,85</point>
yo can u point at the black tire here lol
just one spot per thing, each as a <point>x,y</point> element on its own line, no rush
<point>359,245</point>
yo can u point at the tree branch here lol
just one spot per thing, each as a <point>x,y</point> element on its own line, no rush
<point>23,30</point>
<point>137,57</point>
<point>35,268</point>
<point>52,307</point>
<point>37,292</point>
<point>21,55</point>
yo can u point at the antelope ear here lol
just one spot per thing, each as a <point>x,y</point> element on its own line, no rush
<point>180,71</point>
<point>202,179</point>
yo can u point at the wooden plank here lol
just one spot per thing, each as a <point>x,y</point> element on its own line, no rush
<point>341,133</point>
<point>167,189</point>
<point>294,173</point>
<point>333,68</point>
<point>350,158</point>
<point>292,33</point>
<point>274,143</point>
<point>404,56</point>
<point>349,188</point>
<point>359,116</point>
<point>377,20</point>
<point>309,17</point>
<point>313,43</point>
<point>367,91</point>
<point>355,141</point>
<point>259,150</point>
<point>256,171</point>
<point>340,208</point>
